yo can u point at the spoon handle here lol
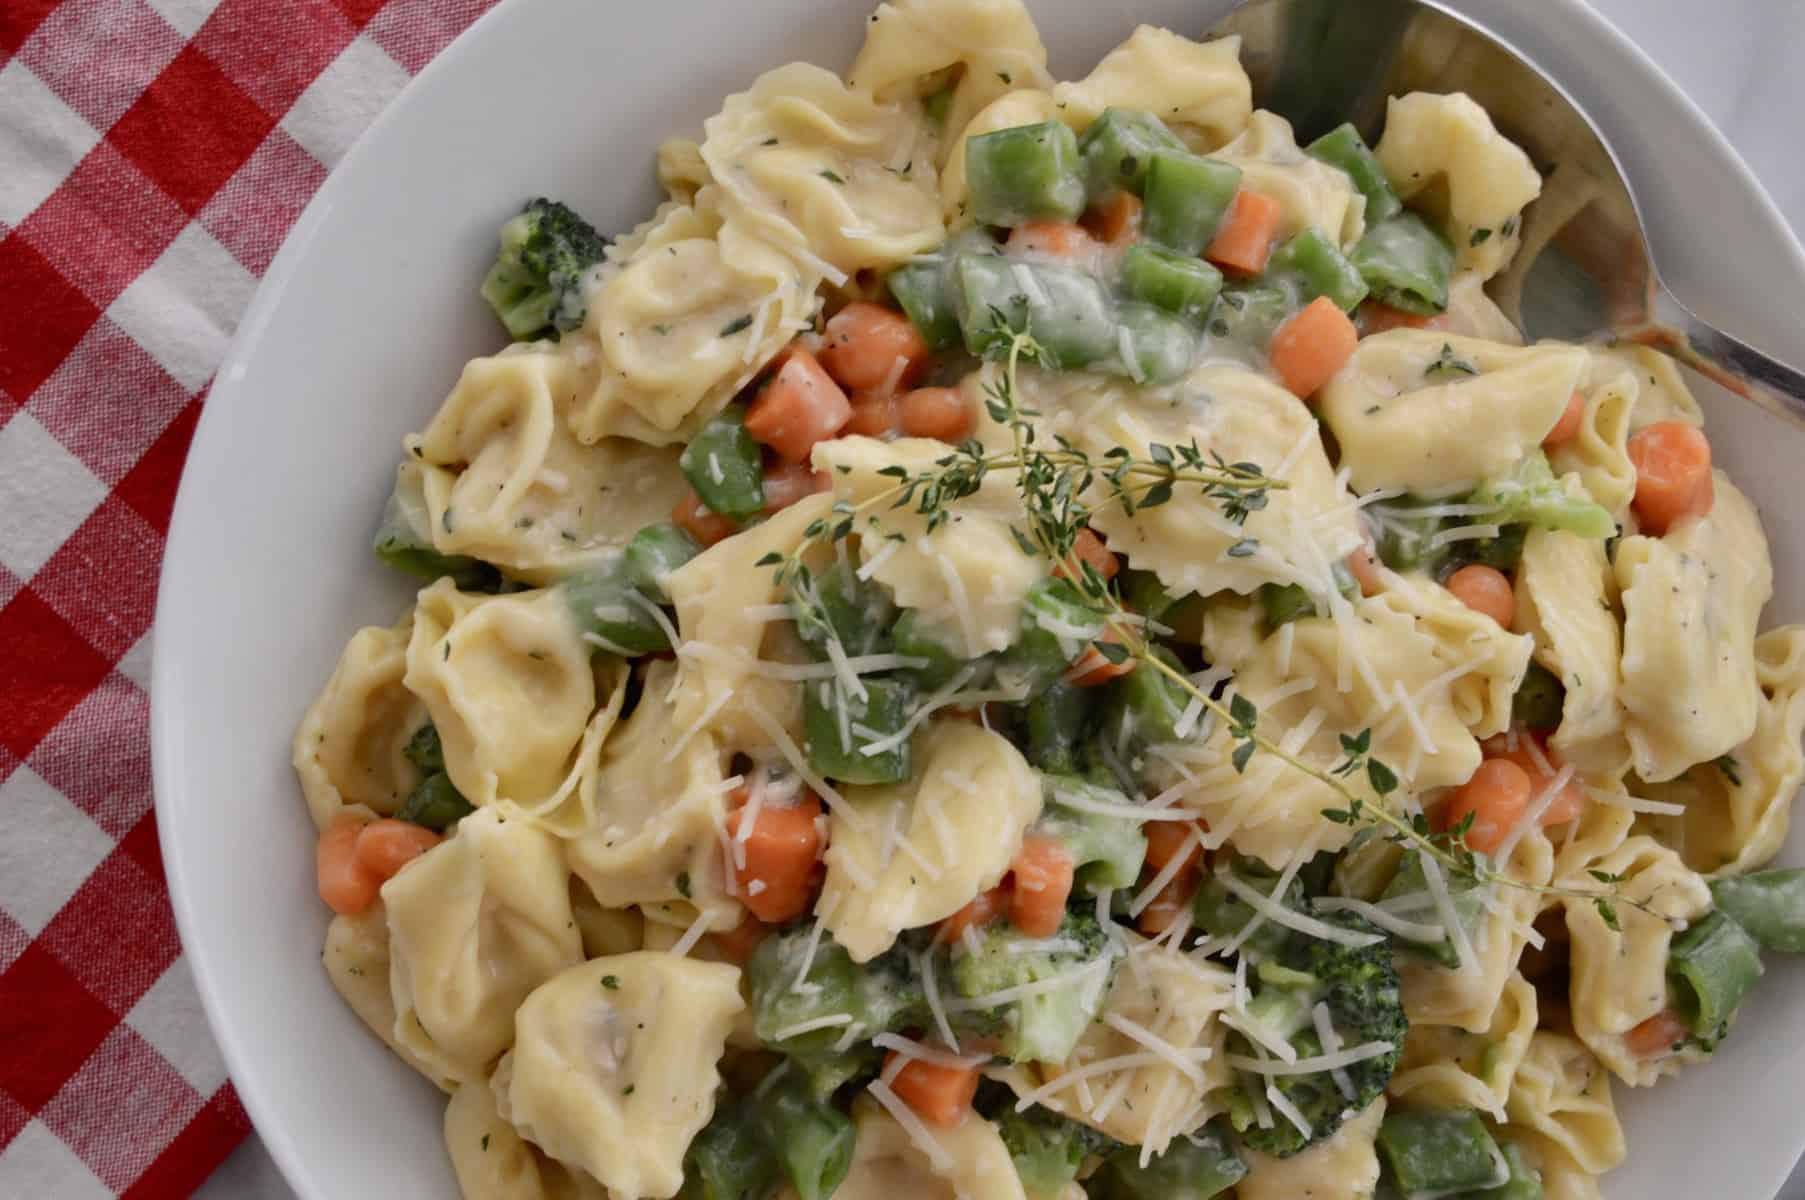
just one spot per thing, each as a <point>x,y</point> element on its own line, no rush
<point>1727,361</point>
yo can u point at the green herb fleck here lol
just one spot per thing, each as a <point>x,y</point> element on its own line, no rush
<point>830,176</point>
<point>611,982</point>
<point>1449,363</point>
<point>738,323</point>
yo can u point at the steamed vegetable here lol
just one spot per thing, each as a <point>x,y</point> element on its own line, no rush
<point>536,284</point>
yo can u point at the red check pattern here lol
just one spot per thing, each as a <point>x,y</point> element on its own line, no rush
<point>153,155</point>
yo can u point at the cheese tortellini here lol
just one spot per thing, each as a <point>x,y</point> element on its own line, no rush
<point>350,748</point>
<point>1198,88</point>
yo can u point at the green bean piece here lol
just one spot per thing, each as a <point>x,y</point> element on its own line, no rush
<point>1195,1167</point>
<point>1143,708</point>
<point>1405,538</point>
<point>654,553</point>
<point>1538,700</point>
<point>1283,603</point>
<point>1107,850</point>
<point>1056,725</point>
<point>881,996</point>
<point>425,750</point>
<point>812,1139</point>
<point>1057,625</point>
<point>836,753</point>
<point>1321,267</point>
<point>1154,345</point>
<point>1187,196</point>
<point>1710,968</point>
<point>1406,264</point>
<point>435,803</point>
<point>1248,313</point>
<point>1439,1151</point>
<point>1066,310</point>
<point>403,541</point>
<point>1468,902</point>
<point>731,1158</point>
<point>1525,1182</point>
<point>1344,147</point>
<point>920,290</point>
<point>607,607</point>
<point>1770,905</point>
<point>836,605</point>
<point>1027,173</point>
<point>1118,148</point>
<point>913,636</point>
<point>724,465</point>
<point>1183,285</point>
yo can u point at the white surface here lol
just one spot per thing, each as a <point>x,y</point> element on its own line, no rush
<point>258,959</point>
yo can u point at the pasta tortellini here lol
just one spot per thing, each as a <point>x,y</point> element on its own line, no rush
<point>493,1162</point>
<point>613,1066</point>
<point>350,748</point>
<point>1450,1067</point>
<point>357,961</point>
<point>968,1161</point>
<point>1345,1167</point>
<point>1311,193</point>
<point>904,855</point>
<point>1563,1095</point>
<point>1198,88</point>
<point>1564,591</point>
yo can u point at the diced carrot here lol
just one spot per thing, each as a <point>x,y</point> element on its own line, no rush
<point>782,852</point>
<point>1094,669</point>
<point>1485,590</point>
<point>940,1094</point>
<point>936,412</point>
<point>385,846</point>
<point>1243,241</point>
<point>1166,840</point>
<point>1089,548</point>
<point>864,340</point>
<point>346,885</point>
<point>702,522</point>
<point>1657,1035</point>
<point>1572,417</point>
<point>801,405</point>
<point>1117,221</point>
<point>1365,569</point>
<point>1496,795</point>
<point>1382,318</point>
<point>984,908</point>
<point>738,943</point>
<point>1311,346</point>
<point>1172,902</point>
<point>1673,474</point>
<point>875,413</point>
<point>1043,870</point>
<point>1541,764</point>
<point>787,483</point>
<point>1055,239</point>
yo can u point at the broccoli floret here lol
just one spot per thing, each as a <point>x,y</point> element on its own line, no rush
<point>1042,1027</point>
<point>535,286</point>
<point>1198,1166</point>
<point>1047,1149</point>
<point>1107,850</point>
<point>1531,495</point>
<point>1222,914</point>
<point>1360,986</point>
<point>883,996</point>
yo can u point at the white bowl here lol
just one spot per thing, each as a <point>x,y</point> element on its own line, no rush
<point>359,330</point>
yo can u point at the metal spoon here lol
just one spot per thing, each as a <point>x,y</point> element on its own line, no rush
<point>1585,269</point>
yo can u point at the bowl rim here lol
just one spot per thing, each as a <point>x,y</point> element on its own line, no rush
<point>235,1036</point>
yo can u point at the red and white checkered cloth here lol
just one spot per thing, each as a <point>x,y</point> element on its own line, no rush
<point>153,154</point>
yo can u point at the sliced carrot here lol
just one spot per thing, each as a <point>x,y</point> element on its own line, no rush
<point>801,405</point>
<point>1094,669</point>
<point>1043,870</point>
<point>875,413</point>
<point>1485,590</point>
<point>1172,902</point>
<point>984,908</point>
<point>1055,239</point>
<point>782,853</point>
<point>1673,474</point>
<point>385,846</point>
<point>940,1094</point>
<point>702,522</point>
<point>1311,346</point>
<point>937,412</point>
<point>1382,318</point>
<point>1569,803</point>
<point>346,885</point>
<point>1365,569</point>
<point>1243,241</point>
<point>1656,1036</point>
<point>1089,548</point>
<point>864,342</point>
<point>1166,840</point>
<point>1117,221</point>
<point>1495,795</point>
<point>1572,417</point>
<point>787,483</point>
<point>737,944</point>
